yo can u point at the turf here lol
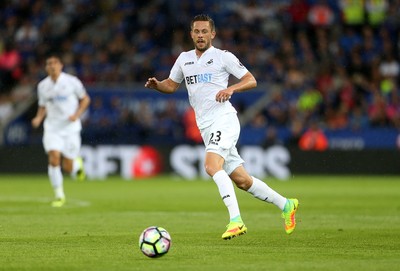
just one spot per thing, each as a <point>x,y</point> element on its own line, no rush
<point>344,223</point>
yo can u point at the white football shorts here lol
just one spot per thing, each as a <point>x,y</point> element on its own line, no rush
<point>221,138</point>
<point>68,145</point>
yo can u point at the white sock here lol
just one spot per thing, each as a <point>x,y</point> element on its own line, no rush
<point>227,192</point>
<point>56,180</point>
<point>262,191</point>
<point>75,167</point>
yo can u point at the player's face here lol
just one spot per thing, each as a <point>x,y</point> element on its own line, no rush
<point>202,35</point>
<point>53,66</point>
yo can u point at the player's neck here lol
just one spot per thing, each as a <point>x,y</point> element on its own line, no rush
<point>199,53</point>
<point>54,77</point>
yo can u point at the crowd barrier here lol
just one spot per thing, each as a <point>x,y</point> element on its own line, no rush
<point>136,162</point>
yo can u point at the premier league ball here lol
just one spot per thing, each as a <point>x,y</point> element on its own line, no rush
<point>154,241</point>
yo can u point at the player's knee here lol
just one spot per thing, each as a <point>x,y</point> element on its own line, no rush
<point>54,161</point>
<point>54,158</point>
<point>211,169</point>
<point>242,183</point>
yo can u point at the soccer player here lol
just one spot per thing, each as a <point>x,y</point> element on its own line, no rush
<point>206,70</point>
<point>62,100</point>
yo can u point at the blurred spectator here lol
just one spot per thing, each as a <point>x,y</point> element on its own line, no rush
<point>349,40</point>
<point>388,88</point>
<point>393,111</point>
<point>10,67</point>
<point>99,114</point>
<point>324,80</point>
<point>57,25</point>
<point>376,11</point>
<point>305,53</point>
<point>9,23</point>
<point>389,66</point>
<point>313,139</point>
<point>276,110</point>
<point>377,111</point>
<point>337,119</point>
<point>309,103</point>
<point>356,66</point>
<point>27,38</point>
<point>358,119</point>
<point>297,15</point>
<point>258,121</point>
<point>38,14</point>
<point>6,108</point>
<point>271,138</point>
<point>321,14</point>
<point>353,12</point>
<point>370,49</point>
<point>169,124</point>
<point>192,133</point>
<point>145,120</point>
<point>295,132</point>
<point>250,12</point>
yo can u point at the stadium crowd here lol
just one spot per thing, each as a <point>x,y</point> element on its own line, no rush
<point>336,62</point>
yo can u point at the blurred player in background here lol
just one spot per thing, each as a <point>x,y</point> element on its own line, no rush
<point>206,72</point>
<point>62,100</point>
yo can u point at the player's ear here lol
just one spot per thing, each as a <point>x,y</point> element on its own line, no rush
<point>213,33</point>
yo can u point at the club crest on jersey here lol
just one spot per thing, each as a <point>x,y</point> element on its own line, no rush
<point>210,62</point>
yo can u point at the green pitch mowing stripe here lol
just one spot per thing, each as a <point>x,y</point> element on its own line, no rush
<point>344,223</point>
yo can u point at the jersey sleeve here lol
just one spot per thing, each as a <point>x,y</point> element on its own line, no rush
<point>79,88</point>
<point>233,65</point>
<point>41,98</point>
<point>176,73</point>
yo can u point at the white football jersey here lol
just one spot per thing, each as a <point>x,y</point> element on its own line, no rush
<point>61,100</point>
<point>204,78</point>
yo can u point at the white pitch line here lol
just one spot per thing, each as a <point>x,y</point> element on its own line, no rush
<point>70,201</point>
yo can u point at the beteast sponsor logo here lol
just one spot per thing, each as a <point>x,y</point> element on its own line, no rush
<point>198,78</point>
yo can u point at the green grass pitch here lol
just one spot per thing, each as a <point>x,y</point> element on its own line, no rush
<point>344,223</point>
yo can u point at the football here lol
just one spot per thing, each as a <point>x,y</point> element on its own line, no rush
<point>154,241</point>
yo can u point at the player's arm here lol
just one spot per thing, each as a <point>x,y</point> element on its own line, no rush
<point>245,83</point>
<point>167,86</point>
<point>83,105</point>
<point>37,120</point>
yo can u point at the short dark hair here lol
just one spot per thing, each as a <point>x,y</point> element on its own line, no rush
<point>203,18</point>
<point>54,55</point>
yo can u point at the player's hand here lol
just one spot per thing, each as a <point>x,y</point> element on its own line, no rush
<point>223,95</point>
<point>151,83</point>
<point>73,118</point>
<point>36,122</point>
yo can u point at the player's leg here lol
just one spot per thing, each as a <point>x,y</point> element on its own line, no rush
<point>56,177</point>
<point>256,187</point>
<point>213,164</point>
<point>53,144</point>
<point>219,138</point>
<point>262,191</point>
<point>72,162</point>
<point>74,167</point>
